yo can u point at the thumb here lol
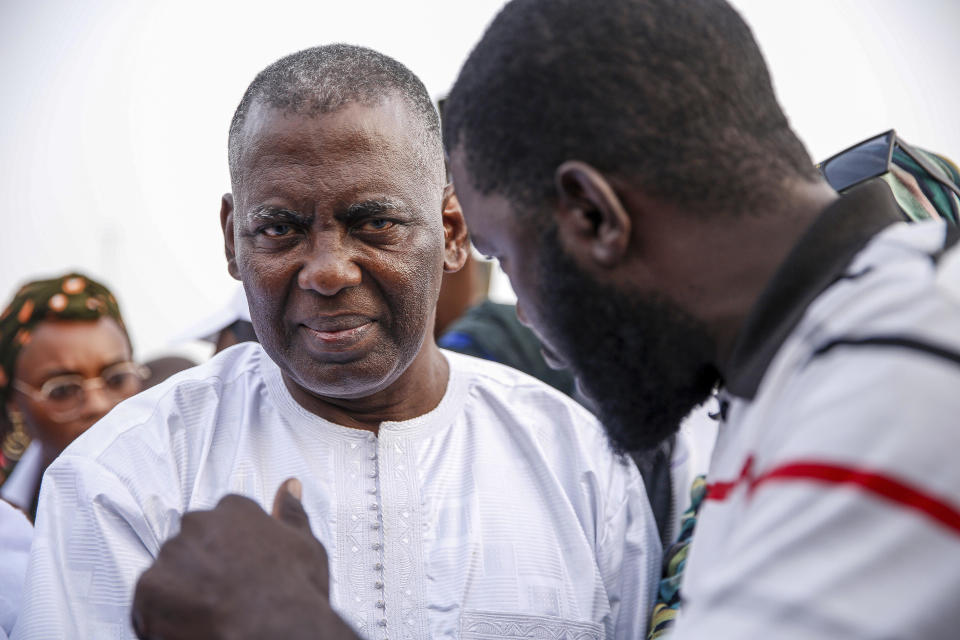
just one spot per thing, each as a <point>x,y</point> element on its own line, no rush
<point>287,507</point>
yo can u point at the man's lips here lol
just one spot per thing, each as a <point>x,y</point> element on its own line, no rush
<point>335,323</point>
<point>340,330</point>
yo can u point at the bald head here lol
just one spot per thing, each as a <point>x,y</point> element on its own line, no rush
<point>323,80</point>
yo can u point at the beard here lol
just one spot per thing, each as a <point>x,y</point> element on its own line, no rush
<point>641,360</point>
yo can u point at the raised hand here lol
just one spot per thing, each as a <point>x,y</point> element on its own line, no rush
<point>236,573</point>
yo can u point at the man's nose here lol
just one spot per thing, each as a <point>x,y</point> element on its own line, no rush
<point>329,269</point>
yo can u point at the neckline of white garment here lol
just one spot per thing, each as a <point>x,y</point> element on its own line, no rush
<point>421,426</point>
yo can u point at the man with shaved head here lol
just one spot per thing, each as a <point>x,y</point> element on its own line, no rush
<point>452,496</point>
<point>667,233</point>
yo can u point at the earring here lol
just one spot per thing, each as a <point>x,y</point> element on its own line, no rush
<point>17,440</point>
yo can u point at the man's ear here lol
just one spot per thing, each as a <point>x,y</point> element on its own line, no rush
<point>591,218</point>
<point>226,223</point>
<point>454,232</point>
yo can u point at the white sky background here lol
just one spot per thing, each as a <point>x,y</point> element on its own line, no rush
<point>115,114</point>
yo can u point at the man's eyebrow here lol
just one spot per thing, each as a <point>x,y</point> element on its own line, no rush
<point>270,214</point>
<point>370,208</point>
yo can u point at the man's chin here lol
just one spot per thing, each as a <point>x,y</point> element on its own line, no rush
<point>640,359</point>
<point>626,436</point>
<point>338,377</point>
<point>635,432</point>
<point>350,386</point>
<point>638,422</point>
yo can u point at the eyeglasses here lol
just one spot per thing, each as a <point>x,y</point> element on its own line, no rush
<point>871,158</point>
<point>65,396</point>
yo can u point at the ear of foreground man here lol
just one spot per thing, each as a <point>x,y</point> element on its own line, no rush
<point>196,590</point>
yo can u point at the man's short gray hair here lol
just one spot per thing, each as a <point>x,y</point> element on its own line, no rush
<point>326,78</point>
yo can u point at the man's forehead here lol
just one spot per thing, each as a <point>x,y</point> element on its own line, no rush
<point>354,139</point>
<point>274,131</point>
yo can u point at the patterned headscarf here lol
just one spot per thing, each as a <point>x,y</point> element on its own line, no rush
<point>917,193</point>
<point>69,297</point>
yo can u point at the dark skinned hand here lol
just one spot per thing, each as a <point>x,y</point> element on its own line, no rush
<point>235,573</point>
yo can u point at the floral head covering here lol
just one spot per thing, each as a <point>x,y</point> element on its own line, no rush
<point>70,297</point>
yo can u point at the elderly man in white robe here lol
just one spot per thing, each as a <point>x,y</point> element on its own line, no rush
<point>455,497</point>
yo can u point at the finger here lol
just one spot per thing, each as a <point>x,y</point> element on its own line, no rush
<point>233,502</point>
<point>137,619</point>
<point>144,612</point>
<point>287,507</point>
<point>168,608</point>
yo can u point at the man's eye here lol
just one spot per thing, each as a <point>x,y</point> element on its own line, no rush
<point>277,230</point>
<point>378,224</point>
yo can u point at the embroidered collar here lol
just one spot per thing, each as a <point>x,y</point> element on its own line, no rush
<point>816,262</point>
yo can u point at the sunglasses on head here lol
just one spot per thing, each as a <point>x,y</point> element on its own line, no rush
<point>872,158</point>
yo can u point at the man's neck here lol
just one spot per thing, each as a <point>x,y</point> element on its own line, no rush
<point>741,255</point>
<point>417,391</point>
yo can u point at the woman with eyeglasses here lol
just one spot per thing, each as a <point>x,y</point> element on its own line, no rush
<point>65,361</point>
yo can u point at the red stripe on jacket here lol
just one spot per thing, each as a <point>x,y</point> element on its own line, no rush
<point>878,484</point>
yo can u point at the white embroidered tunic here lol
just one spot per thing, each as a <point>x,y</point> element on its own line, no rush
<point>501,513</point>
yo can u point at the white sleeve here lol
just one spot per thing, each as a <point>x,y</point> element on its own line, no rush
<point>90,546</point>
<point>629,553</point>
<point>15,535</point>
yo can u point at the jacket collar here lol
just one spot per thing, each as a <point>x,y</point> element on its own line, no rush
<point>814,263</point>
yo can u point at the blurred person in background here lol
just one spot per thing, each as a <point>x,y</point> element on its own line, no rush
<point>65,361</point>
<point>225,327</point>
<point>162,367</point>
<point>469,322</point>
